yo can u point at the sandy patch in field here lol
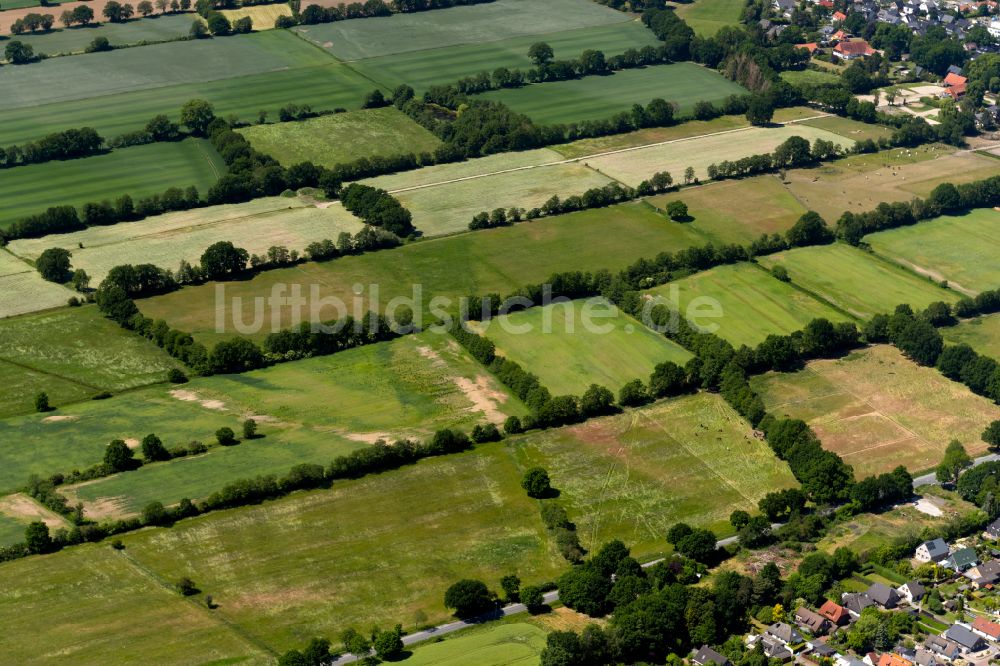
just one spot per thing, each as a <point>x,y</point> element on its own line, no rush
<point>213,404</point>
<point>23,508</point>
<point>106,508</point>
<point>484,396</point>
<point>928,506</point>
<point>186,396</point>
<point>369,437</point>
<point>60,417</point>
<point>132,443</point>
<point>191,396</point>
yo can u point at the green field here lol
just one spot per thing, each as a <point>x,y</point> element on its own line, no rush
<point>342,137</point>
<point>632,476</point>
<point>850,129</point>
<point>598,97</point>
<point>877,409</point>
<point>77,349</point>
<point>981,333</point>
<point>494,260</point>
<point>22,289</point>
<point>856,282</point>
<point>707,17</point>
<point>517,644</point>
<point>17,511</point>
<point>751,303</point>
<point>138,171</point>
<point>961,249</point>
<point>737,211</point>
<point>809,77</point>
<point>11,531</point>
<point>76,39</point>
<point>92,605</point>
<point>572,345</point>
<point>474,24</point>
<point>438,66</point>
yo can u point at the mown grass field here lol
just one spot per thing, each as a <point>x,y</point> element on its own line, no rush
<point>11,531</point>
<point>856,282</point>
<point>981,333</point>
<point>515,644</point>
<point>442,65</point>
<point>463,516</point>
<point>848,128</point>
<point>737,211</point>
<point>960,249</point>
<point>490,261</point>
<point>164,240</point>
<point>572,345</point>
<point>137,171</point>
<point>263,16</point>
<point>707,17</point>
<point>473,24</point>
<point>90,604</point>
<point>597,97</point>
<point>632,476</point>
<point>342,137</point>
<point>76,39</point>
<point>878,410</point>
<point>479,166</point>
<point>634,166</point>
<point>751,303</point>
<point>809,76</point>
<point>17,511</point>
<point>78,347</point>
<point>22,289</point>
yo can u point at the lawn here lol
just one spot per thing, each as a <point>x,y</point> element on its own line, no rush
<point>164,240</point>
<point>599,97</point>
<point>855,281</point>
<point>474,24</point>
<point>750,303</point>
<point>342,137</point>
<point>75,346</point>
<point>379,550</point>
<point>634,166</point>
<point>442,65</point>
<point>960,249</point>
<point>76,39</point>
<point>981,333</point>
<point>22,289</point>
<point>572,345</point>
<point>92,605</point>
<point>878,410</point>
<point>811,77</point>
<point>632,476</point>
<point>489,261</point>
<point>515,644</point>
<point>707,17</point>
<point>737,211</point>
<point>138,171</point>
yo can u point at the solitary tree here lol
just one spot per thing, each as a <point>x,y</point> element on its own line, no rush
<point>388,644</point>
<point>225,436</point>
<point>53,264</point>
<point>118,457</point>
<point>536,482</point>
<point>42,402</point>
<point>511,585</point>
<point>760,110</point>
<point>249,429</point>
<point>677,210</point>
<point>153,449</point>
<point>469,598</point>
<point>992,435</point>
<point>540,53</point>
<point>197,115</point>
<point>955,460</point>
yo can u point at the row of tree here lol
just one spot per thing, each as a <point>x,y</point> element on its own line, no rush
<point>314,14</point>
<point>64,145</point>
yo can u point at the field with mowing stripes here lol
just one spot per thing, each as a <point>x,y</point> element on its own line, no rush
<point>495,260</point>
<point>164,240</point>
<point>707,17</point>
<point>878,410</point>
<point>138,171</point>
<point>752,304</point>
<point>857,282</point>
<point>518,644</point>
<point>573,345</point>
<point>75,40</point>
<point>960,249</point>
<point>632,476</point>
<point>598,97</point>
<point>981,333</point>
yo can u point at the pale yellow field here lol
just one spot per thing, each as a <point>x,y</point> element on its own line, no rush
<point>263,16</point>
<point>23,290</point>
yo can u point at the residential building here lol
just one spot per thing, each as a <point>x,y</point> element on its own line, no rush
<point>984,575</point>
<point>965,637</point>
<point>884,596</point>
<point>943,647</point>
<point>890,659</point>
<point>783,632</point>
<point>913,591</point>
<point>986,629</point>
<point>962,559</point>
<point>707,656</point>
<point>856,602</point>
<point>932,551</point>
<point>835,613</point>
<point>993,529</point>
<point>924,657</point>
<point>811,621</point>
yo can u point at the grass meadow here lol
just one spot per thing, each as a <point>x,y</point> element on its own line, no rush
<point>476,167</point>
<point>878,410</point>
<point>856,282</point>
<point>848,128</point>
<point>752,304</point>
<point>263,16</point>
<point>342,137</point>
<point>17,511</point>
<point>76,39</point>
<point>809,76</point>
<point>164,240</point>
<point>488,261</point>
<point>22,289</point>
<point>633,475</point>
<point>513,644</point>
<point>981,333</point>
<point>959,249</point>
<point>707,17</point>
<point>138,171</point>
<point>597,97</point>
<point>568,354</point>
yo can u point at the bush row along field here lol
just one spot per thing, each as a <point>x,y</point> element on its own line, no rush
<point>750,304</point>
<point>138,171</point>
<point>575,344</point>
<point>707,17</point>
<point>164,240</point>
<point>342,137</point>
<point>878,410</point>
<point>22,289</point>
<point>76,39</point>
<point>474,24</point>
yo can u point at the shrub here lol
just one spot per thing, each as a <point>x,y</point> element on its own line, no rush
<point>225,436</point>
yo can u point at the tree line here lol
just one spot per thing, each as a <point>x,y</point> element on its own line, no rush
<point>64,145</point>
<point>315,14</point>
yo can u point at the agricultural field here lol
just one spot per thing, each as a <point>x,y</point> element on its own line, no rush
<point>17,511</point>
<point>263,16</point>
<point>737,211</point>
<point>598,97</point>
<point>848,128</point>
<point>573,344</point>
<point>76,39</point>
<point>634,166</point>
<point>459,171</point>
<point>877,410</point>
<point>981,333</point>
<point>489,261</point>
<point>473,24</point>
<point>164,240</point>
<point>342,137</point>
<point>958,249</point>
<point>856,282</point>
<point>22,289</point>
<point>634,475</point>
<point>750,303</point>
<point>463,516</point>
<point>108,609</point>
<point>514,644</point>
<point>138,171</point>
<point>707,17</point>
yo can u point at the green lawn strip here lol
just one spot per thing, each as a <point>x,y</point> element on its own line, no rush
<point>490,645</point>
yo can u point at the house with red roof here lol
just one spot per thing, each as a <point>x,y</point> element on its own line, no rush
<point>954,85</point>
<point>853,49</point>
<point>839,16</point>
<point>811,47</point>
<point>835,613</point>
<point>987,629</point>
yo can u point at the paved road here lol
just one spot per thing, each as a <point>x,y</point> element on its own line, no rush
<point>930,479</point>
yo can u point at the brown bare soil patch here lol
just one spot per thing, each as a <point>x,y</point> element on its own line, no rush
<point>484,396</point>
<point>9,16</point>
<point>369,437</point>
<point>106,508</point>
<point>22,508</point>
<point>132,443</point>
<point>60,417</point>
